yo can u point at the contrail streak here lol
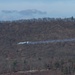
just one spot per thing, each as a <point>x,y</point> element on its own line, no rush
<point>47,41</point>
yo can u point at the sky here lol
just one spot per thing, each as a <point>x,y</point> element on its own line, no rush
<point>62,8</point>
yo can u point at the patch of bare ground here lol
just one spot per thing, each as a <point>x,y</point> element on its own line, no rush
<point>36,72</point>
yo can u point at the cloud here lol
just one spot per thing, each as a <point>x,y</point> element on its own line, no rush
<point>23,14</point>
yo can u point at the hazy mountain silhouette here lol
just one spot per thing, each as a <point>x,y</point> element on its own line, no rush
<point>23,14</point>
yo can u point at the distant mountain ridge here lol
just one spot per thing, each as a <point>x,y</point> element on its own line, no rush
<point>23,14</point>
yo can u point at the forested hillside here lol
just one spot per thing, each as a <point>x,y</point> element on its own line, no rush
<point>53,56</point>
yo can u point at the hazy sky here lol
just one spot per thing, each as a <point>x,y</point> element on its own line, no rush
<point>55,7</point>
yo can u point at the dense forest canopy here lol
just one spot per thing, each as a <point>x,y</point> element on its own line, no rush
<point>15,57</point>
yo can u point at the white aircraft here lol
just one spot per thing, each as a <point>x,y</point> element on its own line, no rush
<point>24,42</point>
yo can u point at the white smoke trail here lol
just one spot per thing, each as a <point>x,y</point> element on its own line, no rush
<point>47,41</point>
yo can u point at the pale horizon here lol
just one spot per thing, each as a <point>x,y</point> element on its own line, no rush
<point>53,8</point>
